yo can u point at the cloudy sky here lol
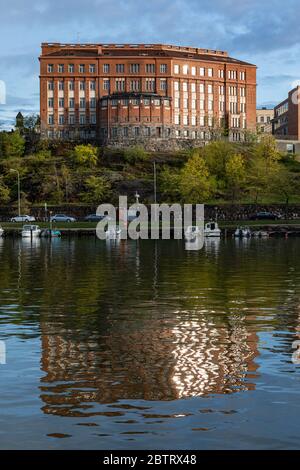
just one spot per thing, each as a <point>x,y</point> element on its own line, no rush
<point>265,32</point>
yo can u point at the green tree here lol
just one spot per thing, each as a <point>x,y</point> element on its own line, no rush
<point>195,183</point>
<point>235,174</point>
<point>4,192</point>
<point>169,183</point>
<point>97,188</point>
<point>85,155</point>
<point>12,144</point>
<point>135,154</point>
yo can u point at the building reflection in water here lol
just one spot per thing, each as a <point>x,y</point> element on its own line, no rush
<point>153,354</point>
<point>158,361</point>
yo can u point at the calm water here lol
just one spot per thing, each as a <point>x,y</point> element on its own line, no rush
<point>146,345</point>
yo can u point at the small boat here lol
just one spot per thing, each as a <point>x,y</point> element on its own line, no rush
<point>49,233</point>
<point>30,231</point>
<point>242,232</point>
<point>211,229</point>
<point>113,233</point>
<point>192,232</point>
<point>1,231</point>
<point>261,234</point>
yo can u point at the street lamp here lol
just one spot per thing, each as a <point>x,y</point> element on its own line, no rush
<point>19,196</point>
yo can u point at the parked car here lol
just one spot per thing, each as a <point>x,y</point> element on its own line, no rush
<point>265,215</point>
<point>62,218</point>
<point>93,218</point>
<point>23,218</point>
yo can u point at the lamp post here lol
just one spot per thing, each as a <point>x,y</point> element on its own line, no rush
<point>19,192</point>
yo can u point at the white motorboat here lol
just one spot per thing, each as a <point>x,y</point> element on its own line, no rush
<point>31,231</point>
<point>192,232</point>
<point>211,229</point>
<point>242,232</point>
<point>1,231</point>
<point>261,234</point>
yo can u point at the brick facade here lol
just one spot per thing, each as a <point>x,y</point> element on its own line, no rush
<point>286,122</point>
<point>130,93</point>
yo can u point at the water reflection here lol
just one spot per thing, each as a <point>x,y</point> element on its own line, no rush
<point>148,321</point>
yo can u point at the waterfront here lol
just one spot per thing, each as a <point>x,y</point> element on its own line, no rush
<point>146,345</point>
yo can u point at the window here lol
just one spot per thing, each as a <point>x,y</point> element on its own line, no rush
<point>71,68</point>
<point>185,103</point>
<point>242,75</point>
<point>176,86</point>
<point>134,68</point>
<point>202,121</point>
<point>185,69</point>
<point>114,132</point>
<point>61,68</point>
<point>184,86</point>
<point>82,119</point>
<point>93,85</point>
<point>176,119</point>
<point>232,74</point>
<point>50,103</point>
<point>193,70</point>
<point>82,103</point>
<point>61,102</point>
<point>210,105</point>
<point>93,119</point>
<point>147,131</point>
<point>125,131</point>
<point>50,86</point>
<point>71,103</point>
<point>136,131</point>
<point>120,84</point>
<point>125,102</point>
<point>51,119</point>
<point>61,85</point>
<point>61,119</point>
<point>50,68</point>
<point>150,84</point>
<point>243,91</point>
<point>150,68</point>
<point>202,71</point>
<point>81,68</point>
<point>71,85</point>
<point>193,87</point>
<point>163,68</point>
<point>209,89</point>
<point>185,120</point>
<point>243,107</point>
<point>194,121</point>
<point>106,84</point>
<point>221,73</point>
<point>146,102</point>
<point>202,89</point>
<point>71,119</point>
<point>134,85</point>
<point>93,103</point>
<point>92,68</point>
<point>82,86</point>
<point>157,102</point>
<point>120,68</point>
<point>163,84</point>
<point>210,72</point>
<point>176,103</point>
<point>221,90</point>
<point>105,68</point>
<point>176,68</point>
<point>193,104</point>
<point>202,105</point>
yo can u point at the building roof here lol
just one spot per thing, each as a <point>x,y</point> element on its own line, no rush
<point>141,50</point>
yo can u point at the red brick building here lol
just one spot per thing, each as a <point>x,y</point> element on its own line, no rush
<point>286,122</point>
<point>125,93</point>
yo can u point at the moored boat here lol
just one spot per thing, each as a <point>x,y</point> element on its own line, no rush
<point>211,229</point>
<point>30,231</point>
<point>1,231</point>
